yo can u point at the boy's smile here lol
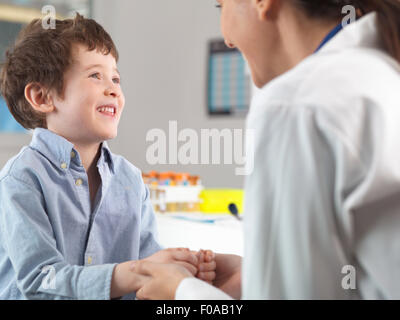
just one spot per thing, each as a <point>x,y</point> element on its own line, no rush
<point>108,110</point>
<point>92,102</point>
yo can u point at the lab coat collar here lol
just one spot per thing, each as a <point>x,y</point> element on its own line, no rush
<point>361,33</point>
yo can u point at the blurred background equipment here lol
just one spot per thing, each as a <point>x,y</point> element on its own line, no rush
<point>173,192</point>
<point>217,201</point>
<point>176,192</point>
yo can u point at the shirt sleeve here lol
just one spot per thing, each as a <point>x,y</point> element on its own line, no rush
<point>148,233</point>
<point>27,237</point>
<point>195,289</point>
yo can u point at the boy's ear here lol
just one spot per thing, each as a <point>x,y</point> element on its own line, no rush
<point>39,98</point>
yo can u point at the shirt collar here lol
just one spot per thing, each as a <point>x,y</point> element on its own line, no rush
<point>330,35</point>
<point>59,150</point>
<point>108,156</point>
<point>361,33</point>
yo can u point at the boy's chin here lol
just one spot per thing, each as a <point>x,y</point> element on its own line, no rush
<point>110,135</point>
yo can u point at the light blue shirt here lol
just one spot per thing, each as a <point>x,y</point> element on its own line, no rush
<point>53,244</point>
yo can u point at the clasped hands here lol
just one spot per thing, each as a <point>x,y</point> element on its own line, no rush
<point>170,267</point>
<point>160,274</point>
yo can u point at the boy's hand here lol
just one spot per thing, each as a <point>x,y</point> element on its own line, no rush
<point>181,256</point>
<point>163,279</point>
<point>206,266</point>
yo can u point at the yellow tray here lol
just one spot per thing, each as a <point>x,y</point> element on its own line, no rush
<point>216,201</point>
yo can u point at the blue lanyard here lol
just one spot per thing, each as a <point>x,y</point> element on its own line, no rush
<point>330,35</point>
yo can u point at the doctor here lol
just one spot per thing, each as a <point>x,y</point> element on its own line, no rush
<point>322,206</point>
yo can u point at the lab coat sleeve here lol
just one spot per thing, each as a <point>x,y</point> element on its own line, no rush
<point>28,241</point>
<point>195,289</point>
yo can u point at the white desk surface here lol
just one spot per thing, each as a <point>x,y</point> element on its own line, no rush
<point>225,235</point>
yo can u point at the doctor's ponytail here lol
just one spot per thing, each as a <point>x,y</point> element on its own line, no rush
<point>388,12</point>
<point>388,22</point>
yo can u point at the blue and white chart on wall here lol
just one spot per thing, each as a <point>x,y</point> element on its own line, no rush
<point>228,84</point>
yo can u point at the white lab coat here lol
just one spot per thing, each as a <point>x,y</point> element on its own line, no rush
<point>322,205</point>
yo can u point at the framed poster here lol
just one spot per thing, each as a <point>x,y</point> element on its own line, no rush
<point>228,82</point>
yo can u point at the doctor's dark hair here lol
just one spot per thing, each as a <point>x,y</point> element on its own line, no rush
<point>388,12</point>
<point>42,56</point>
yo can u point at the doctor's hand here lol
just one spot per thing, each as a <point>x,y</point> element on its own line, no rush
<point>181,256</point>
<point>163,279</point>
<point>229,274</point>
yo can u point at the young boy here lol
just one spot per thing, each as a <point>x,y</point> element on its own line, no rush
<point>73,216</point>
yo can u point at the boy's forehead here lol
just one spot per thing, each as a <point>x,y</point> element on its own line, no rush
<point>81,56</point>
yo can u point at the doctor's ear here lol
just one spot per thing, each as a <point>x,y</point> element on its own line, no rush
<point>266,8</point>
<point>39,98</point>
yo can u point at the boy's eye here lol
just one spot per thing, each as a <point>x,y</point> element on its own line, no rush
<point>95,75</point>
<point>117,80</point>
<point>218,6</point>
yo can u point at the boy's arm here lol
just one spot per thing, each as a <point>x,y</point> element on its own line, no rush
<point>27,237</point>
<point>125,281</point>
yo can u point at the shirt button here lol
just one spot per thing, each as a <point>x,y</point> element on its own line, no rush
<point>89,260</point>
<point>63,165</point>
<point>72,154</point>
<point>78,182</point>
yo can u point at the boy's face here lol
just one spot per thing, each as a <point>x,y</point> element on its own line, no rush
<point>92,103</point>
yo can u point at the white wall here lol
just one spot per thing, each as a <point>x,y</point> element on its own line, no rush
<point>163,59</point>
<point>11,144</point>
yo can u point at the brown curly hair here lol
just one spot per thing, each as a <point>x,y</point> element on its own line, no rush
<point>42,56</point>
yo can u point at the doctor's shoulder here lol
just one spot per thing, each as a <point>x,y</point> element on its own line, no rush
<point>339,89</point>
<point>333,79</point>
<point>352,72</point>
